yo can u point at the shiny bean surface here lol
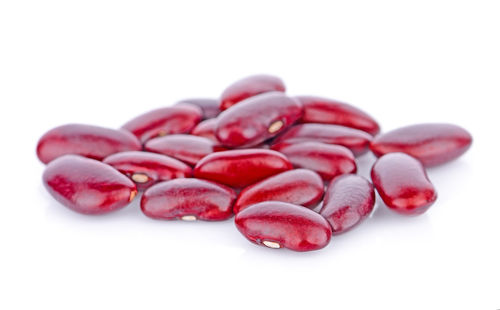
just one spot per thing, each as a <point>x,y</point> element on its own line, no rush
<point>85,140</point>
<point>86,185</point>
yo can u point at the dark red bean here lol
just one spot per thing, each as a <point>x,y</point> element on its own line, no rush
<point>187,148</point>
<point>240,168</point>
<point>206,129</point>
<point>189,200</point>
<point>300,187</point>
<point>209,107</point>
<point>355,140</point>
<point>87,186</point>
<point>327,111</point>
<point>85,140</point>
<point>249,87</point>
<point>284,225</point>
<point>257,119</point>
<point>328,160</point>
<point>402,183</point>
<point>181,118</point>
<point>349,199</point>
<point>146,169</point>
<point>432,144</point>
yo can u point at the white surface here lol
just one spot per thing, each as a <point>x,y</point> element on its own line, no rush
<point>103,62</point>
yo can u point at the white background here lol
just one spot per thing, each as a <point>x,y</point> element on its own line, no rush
<point>103,62</point>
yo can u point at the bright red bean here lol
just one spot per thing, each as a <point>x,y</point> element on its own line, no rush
<point>187,148</point>
<point>328,160</point>
<point>300,187</point>
<point>402,182</point>
<point>432,144</point>
<point>284,225</point>
<point>240,168</point>
<point>146,169</point>
<point>206,129</point>
<point>349,199</point>
<point>188,199</point>
<point>257,119</point>
<point>87,186</point>
<point>209,107</point>
<point>328,111</point>
<point>85,140</point>
<point>356,140</point>
<point>181,118</point>
<point>249,87</point>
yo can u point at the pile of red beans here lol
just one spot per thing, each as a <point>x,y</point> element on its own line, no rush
<point>255,152</point>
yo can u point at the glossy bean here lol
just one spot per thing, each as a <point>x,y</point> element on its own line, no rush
<point>432,144</point>
<point>355,140</point>
<point>300,187</point>
<point>86,185</point>
<point>181,118</point>
<point>328,160</point>
<point>187,148</point>
<point>349,199</point>
<point>146,169</point>
<point>402,183</point>
<point>209,107</point>
<point>85,140</point>
<point>249,87</point>
<point>240,168</point>
<point>206,129</point>
<point>189,200</point>
<point>282,225</point>
<point>257,119</point>
<point>328,111</point>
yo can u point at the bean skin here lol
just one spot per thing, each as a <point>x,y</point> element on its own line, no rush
<point>146,169</point>
<point>209,107</point>
<point>300,187</point>
<point>328,111</point>
<point>282,225</point>
<point>349,199</point>
<point>180,118</point>
<point>85,140</point>
<point>328,160</point>
<point>249,87</point>
<point>87,186</point>
<point>188,199</point>
<point>356,140</point>
<point>402,183</point>
<point>206,129</point>
<point>240,168</point>
<point>187,148</point>
<point>257,119</point>
<point>432,144</point>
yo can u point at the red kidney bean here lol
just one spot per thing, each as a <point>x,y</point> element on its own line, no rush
<point>240,168</point>
<point>432,144</point>
<point>87,186</point>
<point>189,200</point>
<point>356,140</point>
<point>85,140</point>
<point>249,87</point>
<point>328,160</point>
<point>328,111</point>
<point>349,199</point>
<point>206,129</point>
<point>284,225</point>
<point>257,119</point>
<point>177,119</point>
<point>402,183</point>
<point>300,187</point>
<point>209,107</point>
<point>187,148</point>
<point>146,169</point>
